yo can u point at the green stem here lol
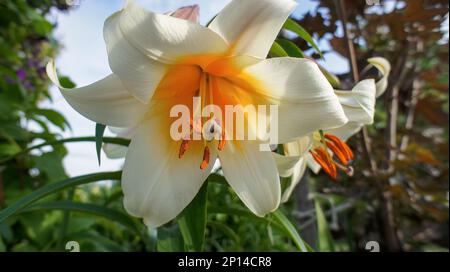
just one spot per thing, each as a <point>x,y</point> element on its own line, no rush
<point>55,187</point>
<point>108,140</point>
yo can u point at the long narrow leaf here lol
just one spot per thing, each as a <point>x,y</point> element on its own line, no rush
<point>99,131</point>
<point>53,188</point>
<point>292,231</point>
<point>302,33</point>
<point>291,48</point>
<point>325,240</point>
<point>109,140</point>
<point>192,222</point>
<point>277,51</point>
<point>86,208</point>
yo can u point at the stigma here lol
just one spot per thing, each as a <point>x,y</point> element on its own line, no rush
<point>212,135</point>
<point>340,149</point>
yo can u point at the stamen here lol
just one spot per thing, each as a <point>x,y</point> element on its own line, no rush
<point>339,153</point>
<point>205,162</point>
<point>341,145</point>
<point>221,145</point>
<point>322,158</point>
<point>183,148</point>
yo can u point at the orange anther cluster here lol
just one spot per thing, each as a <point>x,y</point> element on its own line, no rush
<point>340,149</point>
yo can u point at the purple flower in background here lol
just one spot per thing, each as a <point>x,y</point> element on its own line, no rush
<point>28,85</point>
<point>42,72</point>
<point>9,80</point>
<point>21,74</point>
<point>32,63</point>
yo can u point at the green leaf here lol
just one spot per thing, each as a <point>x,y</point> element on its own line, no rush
<point>170,239</point>
<point>325,240</point>
<point>192,222</point>
<point>53,188</point>
<point>8,149</point>
<point>240,212</point>
<point>291,231</point>
<point>53,117</point>
<point>277,51</point>
<point>99,132</point>
<point>97,210</point>
<point>334,80</point>
<point>302,33</point>
<point>50,164</point>
<point>66,82</point>
<point>109,140</point>
<point>291,48</point>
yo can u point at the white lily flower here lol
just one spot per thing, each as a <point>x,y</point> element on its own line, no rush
<point>160,61</point>
<point>359,107</point>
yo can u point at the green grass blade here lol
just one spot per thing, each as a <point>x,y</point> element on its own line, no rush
<point>291,231</point>
<point>53,188</point>
<point>325,240</point>
<point>99,132</point>
<point>93,209</point>
<point>291,48</point>
<point>192,222</point>
<point>277,51</point>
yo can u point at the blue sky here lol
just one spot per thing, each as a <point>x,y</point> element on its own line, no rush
<point>83,58</point>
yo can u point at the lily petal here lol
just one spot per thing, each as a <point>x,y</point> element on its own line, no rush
<point>251,26</point>
<point>359,104</point>
<point>253,175</point>
<point>165,38</point>
<point>312,164</point>
<point>106,101</point>
<point>297,174</point>
<point>114,151</point>
<point>296,151</point>
<point>298,148</point>
<point>298,87</point>
<point>138,73</point>
<point>157,185</point>
<point>285,164</point>
<point>384,67</point>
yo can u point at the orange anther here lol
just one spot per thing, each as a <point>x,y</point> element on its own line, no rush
<point>222,141</point>
<point>183,147</point>
<point>341,145</point>
<point>205,162</point>
<point>321,157</point>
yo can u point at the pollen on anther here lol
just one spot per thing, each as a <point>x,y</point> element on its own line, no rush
<point>183,148</point>
<point>206,156</point>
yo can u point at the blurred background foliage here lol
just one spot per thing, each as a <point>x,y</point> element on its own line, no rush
<point>398,196</point>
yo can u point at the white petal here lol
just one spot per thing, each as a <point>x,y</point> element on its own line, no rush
<point>114,151</point>
<point>384,67</point>
<point>251,26</point>
<point>312,164</point>
<point>346,131</point>
<point>298,150</point>
<point>359,103</point>
<point>285,164</point>
<point>299,147</point>
<point>166,38</point>
<point>306,99</point>
<point>157,185</point>
<point>252,174</point>
<point>139,73</point>
<point>106,101</point>
<point>297,174</point>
